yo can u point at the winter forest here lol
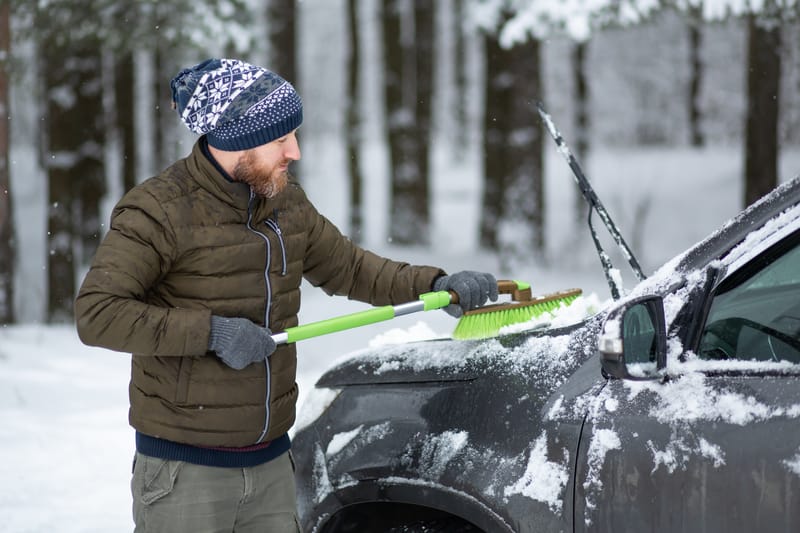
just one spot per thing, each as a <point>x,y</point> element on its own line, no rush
<point>392,90</point>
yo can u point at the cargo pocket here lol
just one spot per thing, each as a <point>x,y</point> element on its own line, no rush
<point>154,478</point>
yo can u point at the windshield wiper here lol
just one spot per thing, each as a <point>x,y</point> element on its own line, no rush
<point>595,205</point>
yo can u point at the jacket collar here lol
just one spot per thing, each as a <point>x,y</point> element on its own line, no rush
<point>213,179</point>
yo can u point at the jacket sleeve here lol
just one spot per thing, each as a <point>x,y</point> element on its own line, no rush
<point>337,265</point>
<point>112,308</point>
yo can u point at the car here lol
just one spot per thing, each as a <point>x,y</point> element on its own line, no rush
<point>673,408</point>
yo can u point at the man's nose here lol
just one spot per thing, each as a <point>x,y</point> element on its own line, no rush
<point>292,149</point>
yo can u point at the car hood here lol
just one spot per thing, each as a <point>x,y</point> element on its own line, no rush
<point>531,352</point>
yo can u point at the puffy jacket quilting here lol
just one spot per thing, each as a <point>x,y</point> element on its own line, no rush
<point>179,249</point>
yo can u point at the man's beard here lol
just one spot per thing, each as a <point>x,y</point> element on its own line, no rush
<point>263,181</point>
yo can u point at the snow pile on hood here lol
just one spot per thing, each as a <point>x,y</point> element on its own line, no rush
<point>420,356</point>
<point>418,332</point>
<point>420,348</point>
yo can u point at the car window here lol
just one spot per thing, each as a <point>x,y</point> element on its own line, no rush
<point>755,313</point>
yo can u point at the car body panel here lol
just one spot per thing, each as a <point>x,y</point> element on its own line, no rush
<point>523,432</point>
<point>666,463</point>
<point>442,436</point>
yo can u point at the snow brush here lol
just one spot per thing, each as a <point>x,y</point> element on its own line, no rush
<point>478,323</point>
<point>487,321</point>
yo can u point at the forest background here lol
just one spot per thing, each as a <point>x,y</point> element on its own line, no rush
<point>392,90</point>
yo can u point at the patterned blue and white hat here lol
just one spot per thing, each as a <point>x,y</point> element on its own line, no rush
<point>237,105</point>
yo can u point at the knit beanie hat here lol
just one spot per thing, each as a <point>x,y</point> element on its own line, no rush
<point>237,106</point>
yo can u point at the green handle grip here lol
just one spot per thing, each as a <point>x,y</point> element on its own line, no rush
<point>437,300</point>
<point>340,323</point>
<point>426,302</point>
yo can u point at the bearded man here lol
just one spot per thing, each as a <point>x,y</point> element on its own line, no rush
<point>199,265</point>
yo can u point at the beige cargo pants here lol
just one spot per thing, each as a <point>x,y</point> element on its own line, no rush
<point>178,497</point>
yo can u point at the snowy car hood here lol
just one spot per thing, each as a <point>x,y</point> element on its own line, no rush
<point>548,337</point>
<point>539,352</point>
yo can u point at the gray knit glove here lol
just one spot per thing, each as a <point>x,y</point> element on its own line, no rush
<point>239,342</point>
<point>472,288</point>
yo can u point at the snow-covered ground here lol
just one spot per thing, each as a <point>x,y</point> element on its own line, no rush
<point>64,437</point>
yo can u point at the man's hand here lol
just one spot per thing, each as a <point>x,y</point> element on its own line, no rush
<point>239,342</point>
<point>472,288</point>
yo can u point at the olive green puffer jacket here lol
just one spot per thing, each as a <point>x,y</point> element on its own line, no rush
<point>188,244</point>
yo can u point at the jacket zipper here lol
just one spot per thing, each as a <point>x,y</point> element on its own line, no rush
<point>273,224</point>
<point>266,311</point>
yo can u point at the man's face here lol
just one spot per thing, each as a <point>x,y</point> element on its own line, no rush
<point>266,168</point>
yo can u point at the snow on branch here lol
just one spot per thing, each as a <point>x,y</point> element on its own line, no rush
<point>516,21</point>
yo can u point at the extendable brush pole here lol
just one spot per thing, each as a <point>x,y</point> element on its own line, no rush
<point>596,205</point>
<point>426,302</point>
<point>518,290</point>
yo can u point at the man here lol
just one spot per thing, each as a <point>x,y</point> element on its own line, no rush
<point>200,263</point>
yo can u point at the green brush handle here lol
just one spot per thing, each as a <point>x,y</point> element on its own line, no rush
<point>426,302</point>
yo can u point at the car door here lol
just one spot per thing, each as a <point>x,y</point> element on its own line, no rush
<point>713,442</point>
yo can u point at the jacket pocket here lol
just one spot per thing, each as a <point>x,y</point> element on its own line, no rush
<point>184,377</point>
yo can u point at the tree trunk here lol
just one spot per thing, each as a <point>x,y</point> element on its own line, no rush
<point>281,28</point>
<point>281,19</point>
<point>696,137</point>
<point>162,97</point>
<point>763,81</point>
<point>7,244</point>
<point>353,124</point>
<point>408,45</point>
<point>498,95</point>
<point>581,120</point>
<point>74,165</point>
<point>525,145</point>
<point>513,165</point>
<point>123,85</point>
<point>461,79</point>
<point>424,13</point>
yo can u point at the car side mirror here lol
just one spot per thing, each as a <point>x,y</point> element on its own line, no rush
<point>633,342</point>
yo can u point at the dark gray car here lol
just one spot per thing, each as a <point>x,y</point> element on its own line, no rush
<point>676,408</point>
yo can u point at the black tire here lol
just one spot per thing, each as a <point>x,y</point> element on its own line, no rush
<point>439,525</point>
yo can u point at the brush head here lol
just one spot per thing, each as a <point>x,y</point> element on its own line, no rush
<point>487,321</point>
